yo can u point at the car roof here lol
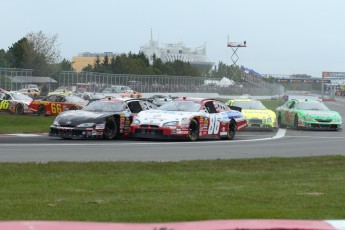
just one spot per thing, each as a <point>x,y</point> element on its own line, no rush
<point>120,99</point>
<point>195,99</point>
<point>243,100</point>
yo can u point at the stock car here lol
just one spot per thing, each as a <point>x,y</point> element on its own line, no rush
<point>308,113</point>
<point>106,118</point>
<point>15,102</point>
<point>189,118</point>
<point>257,115</point>
<point>160,99</point>
<point>54,104</point>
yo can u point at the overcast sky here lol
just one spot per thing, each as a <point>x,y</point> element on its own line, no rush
<point>283,37</point>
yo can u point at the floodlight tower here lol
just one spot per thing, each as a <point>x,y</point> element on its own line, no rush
<point>235,46</point>
<point>234,57</point>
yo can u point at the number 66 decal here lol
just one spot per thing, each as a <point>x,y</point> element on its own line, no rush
<point>214,124</point>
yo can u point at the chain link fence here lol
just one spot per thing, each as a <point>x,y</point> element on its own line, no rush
<point>96,82</point>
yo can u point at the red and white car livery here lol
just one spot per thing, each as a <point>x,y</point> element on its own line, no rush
<point>189,118</point>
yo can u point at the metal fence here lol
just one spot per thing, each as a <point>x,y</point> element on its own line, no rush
<point>6,75</point>
<point>147,83</point>
<point>164,84</point>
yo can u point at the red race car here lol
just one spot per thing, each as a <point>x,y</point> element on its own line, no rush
<point>54,104</point>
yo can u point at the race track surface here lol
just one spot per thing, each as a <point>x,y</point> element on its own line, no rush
<point>247,144</point>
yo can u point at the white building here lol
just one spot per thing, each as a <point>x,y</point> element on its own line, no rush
<point>177,51</point>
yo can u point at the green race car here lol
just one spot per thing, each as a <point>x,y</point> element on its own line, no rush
<point>257,115</point>
<point>307,113</point>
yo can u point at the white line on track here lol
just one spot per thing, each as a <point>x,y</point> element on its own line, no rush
<point>279,134</point>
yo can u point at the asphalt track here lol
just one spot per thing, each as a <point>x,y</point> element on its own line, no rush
<point>247,144</point>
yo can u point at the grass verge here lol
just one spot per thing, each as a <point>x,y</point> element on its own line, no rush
<point>11,123</point>
<point>274,188</point>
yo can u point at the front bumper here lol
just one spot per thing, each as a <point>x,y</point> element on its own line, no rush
<point>75,132</point>
<point>156,132</point>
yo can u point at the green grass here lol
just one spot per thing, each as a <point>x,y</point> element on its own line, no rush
<point>277,188</point>
<point>11,123</point>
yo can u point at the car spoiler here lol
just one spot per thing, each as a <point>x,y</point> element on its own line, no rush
<point>232,107</point>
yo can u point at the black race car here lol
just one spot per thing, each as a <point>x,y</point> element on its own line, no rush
<point>107,118</point>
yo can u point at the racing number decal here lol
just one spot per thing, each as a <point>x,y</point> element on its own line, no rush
<point>55,108</point>
<point>4,105</point>
<point>214,124</point>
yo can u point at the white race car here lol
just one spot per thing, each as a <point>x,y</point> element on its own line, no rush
<point>189,118</point>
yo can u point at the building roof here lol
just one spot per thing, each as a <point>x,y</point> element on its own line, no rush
<point>30,79</point>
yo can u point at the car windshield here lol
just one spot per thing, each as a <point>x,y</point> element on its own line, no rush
<point>249,105</point>
<point>187,106</point>
<point>74,99</point>
<point>21,97</point>
<point>106,106</point>
<point>312,106</point>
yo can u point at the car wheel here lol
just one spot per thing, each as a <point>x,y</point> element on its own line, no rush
<point>41,110</point>
<point>19,109</point>
<point>231,131</point>
<point>110,130</point>
<point>295,122</point>
<point>280,123</point>
<point>193,133</point>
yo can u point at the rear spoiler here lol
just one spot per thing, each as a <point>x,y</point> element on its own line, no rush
<point>235,108</point>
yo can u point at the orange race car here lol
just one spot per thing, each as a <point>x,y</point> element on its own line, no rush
<point>54,104</point>
<point>131,93</point>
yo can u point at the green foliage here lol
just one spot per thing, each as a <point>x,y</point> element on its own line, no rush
<point>139,64</point>
<point>223,70</point>
<point>272,188</point>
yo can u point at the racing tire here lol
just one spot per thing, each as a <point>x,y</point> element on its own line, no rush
<point>193,131</point>
<point>231,131</point>
<point>279,121</point>
<point>110,130</point>
<point>41,110</point>
<point>19,109</point>
<point>295,122</point>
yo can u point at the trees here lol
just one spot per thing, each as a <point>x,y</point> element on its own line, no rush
<point>35,51</point>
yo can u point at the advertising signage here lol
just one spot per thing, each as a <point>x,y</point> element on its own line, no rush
<point>333,74</point>
<point>299,81</point>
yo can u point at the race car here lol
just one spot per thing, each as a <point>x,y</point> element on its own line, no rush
<point>257,115</point>
<point>61,91</point>
<point>160,99</point>
<point>308,113</point>
<point>189,118</point>
<point>131,93</point>
<point>106,118</point>
<point>54,104</point>
<point>14,102</point>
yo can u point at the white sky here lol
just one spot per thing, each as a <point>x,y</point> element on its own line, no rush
<point>283,37</point>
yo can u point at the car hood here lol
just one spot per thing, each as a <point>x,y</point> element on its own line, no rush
<point>159,117</point>
<point>321,114</point>
<point>76,117</point>
<point>258,113</point>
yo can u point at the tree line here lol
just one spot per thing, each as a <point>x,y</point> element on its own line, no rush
<point>41,53</point>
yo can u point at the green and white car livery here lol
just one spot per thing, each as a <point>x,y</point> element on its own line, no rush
<point>308,113</point>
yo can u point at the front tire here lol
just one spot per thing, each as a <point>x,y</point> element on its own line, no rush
<point>193,133</point>
<point>19,109</point>
<point>110,130</point>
